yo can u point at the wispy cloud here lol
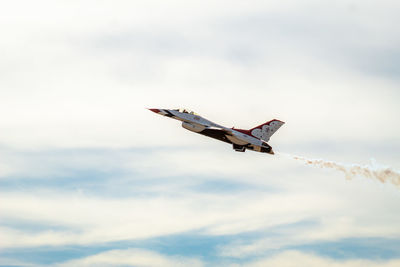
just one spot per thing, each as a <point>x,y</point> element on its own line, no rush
<point>132,257</point>
<point>293,258</point>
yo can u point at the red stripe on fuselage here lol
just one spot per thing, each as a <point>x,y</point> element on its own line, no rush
<point>243,131</point>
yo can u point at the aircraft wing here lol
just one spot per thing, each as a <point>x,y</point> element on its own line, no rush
<point>231,135</point>
<point>225,131</point>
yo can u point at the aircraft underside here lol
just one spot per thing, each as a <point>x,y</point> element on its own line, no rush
<point>219,135</point>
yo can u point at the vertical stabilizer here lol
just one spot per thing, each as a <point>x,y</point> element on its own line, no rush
<point>266,130</point>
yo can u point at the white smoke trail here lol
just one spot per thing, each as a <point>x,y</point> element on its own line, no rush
<point>373,171</point>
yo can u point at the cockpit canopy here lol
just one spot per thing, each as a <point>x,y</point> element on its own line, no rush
<point>186,111</point>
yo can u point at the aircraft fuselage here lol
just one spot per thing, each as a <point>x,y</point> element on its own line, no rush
<point>240,139</point>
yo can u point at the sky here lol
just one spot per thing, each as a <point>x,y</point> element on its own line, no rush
<point>90,177</point>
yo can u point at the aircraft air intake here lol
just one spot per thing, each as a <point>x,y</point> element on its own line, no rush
<point>193,127</point>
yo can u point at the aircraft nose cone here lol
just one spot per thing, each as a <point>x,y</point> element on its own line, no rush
<point>154,110</point>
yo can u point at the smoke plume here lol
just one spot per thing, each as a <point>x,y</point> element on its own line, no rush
<point>373,171</point>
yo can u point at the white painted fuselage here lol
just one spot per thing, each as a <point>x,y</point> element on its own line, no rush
<point>240,139</point>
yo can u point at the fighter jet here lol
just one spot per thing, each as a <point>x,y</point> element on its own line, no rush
<point>254,139</point>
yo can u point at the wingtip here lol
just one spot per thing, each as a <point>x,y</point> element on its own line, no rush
<point>278,120</point>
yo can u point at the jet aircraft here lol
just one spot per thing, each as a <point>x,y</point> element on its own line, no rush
<point>254,139</point>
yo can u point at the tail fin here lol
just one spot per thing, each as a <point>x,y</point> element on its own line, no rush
<point>266,130</point>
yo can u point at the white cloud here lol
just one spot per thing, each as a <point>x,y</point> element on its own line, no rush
<point>17,262</point>
<point>75,86</point>
<point>128,219</point>
<point>80,75</point>
<point>275,196</point>
<point>132,257</point>
<point>295,258</point>
<point>91,219</point>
